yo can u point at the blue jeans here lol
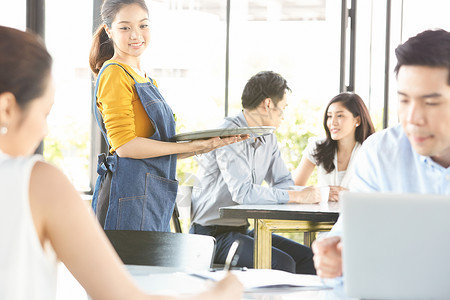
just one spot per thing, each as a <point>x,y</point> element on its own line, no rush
<point>287,255</point>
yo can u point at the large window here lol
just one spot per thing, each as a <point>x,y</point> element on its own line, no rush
<point>301,41</point>
<point>187,58</point>
<point>68,40</point>
<point>298,39</point>
<point>407,18</point>
<point>188,54</point>
<point>416,16</point>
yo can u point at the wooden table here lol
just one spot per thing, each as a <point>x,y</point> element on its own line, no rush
<point>307,218</point>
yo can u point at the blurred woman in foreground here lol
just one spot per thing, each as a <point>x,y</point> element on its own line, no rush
<point>43,218</point>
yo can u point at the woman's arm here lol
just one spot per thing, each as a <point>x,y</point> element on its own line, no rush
<point>78,240</point>
<point>303,171</point>
<point>61,217</point>
<point>122,121</point>
<point>139,147</point>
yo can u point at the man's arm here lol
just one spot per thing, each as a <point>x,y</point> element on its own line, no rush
<point>278,174</point>
<point>237,172</point>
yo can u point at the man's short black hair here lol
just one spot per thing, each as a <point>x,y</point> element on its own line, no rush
<point>430,48</point>
<point>265,84</point>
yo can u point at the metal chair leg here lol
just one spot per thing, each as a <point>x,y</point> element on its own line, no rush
<point>176,220</point>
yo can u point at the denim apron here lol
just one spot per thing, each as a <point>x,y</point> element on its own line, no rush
<point>143,191</point>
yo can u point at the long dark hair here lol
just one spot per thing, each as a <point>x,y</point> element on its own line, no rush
<point>25,65</point>
<point>325,151</point>
<point>102,47</point>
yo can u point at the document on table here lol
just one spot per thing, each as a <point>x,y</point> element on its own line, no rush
<point>253,280</point>
<point>177,283</point>
<point>266,280</point>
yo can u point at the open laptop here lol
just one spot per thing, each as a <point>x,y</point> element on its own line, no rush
<point>396,246</point>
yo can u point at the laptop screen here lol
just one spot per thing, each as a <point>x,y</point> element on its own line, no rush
<point>396,245</point>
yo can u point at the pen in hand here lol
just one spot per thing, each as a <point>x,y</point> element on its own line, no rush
<point>230,261</point>
<point>232,256</point>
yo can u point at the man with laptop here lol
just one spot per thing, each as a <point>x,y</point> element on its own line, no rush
<point>411,158</point>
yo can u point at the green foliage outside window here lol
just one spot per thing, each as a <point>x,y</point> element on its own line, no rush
<point>68,147</point>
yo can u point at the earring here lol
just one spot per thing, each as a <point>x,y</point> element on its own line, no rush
<point>356,125</point>
<point>3,130</point>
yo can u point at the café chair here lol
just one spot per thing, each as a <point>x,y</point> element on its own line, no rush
<point>164,249</point>
<point>182,209</point>
<point>176,220</point>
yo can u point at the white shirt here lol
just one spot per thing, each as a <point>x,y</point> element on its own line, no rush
<point>27,271</point>
<point>335,177</point>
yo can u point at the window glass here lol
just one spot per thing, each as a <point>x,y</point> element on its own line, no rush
<point>370,56</point>
<point>417,16</point>
<point>67,144</point>
<point>13,14</point>
<point>186,57</point>
<point>68,40</point>
<point>299,40</point>
<point>408,18</point>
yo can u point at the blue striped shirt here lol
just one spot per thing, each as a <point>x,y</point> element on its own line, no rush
<point>234,175</point>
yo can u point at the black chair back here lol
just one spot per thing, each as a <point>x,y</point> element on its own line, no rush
<point>166,249</point>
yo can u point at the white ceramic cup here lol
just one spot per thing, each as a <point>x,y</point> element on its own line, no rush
<point>324,194</point>
<point>324,191</point>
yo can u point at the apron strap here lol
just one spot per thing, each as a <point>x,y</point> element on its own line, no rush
<point>95,109</point>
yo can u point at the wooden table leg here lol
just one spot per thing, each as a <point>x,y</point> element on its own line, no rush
<point>309,237</point>
<point>263,246</point>
<point>263,237</point>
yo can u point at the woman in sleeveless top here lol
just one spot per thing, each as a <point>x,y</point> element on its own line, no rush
<point>347,124</point>
<point>43,217</point>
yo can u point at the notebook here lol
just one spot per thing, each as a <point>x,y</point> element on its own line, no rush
<point>396,246</point>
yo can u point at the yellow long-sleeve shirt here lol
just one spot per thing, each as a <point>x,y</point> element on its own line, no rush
<point>118,102</point>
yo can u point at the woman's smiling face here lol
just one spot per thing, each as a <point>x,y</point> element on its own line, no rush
<point>340,121</point>
<point>130,32</point>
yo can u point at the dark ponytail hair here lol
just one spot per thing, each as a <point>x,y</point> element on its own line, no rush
<point>25,65</point>
<point>102,47</point>
<point>325,151</point>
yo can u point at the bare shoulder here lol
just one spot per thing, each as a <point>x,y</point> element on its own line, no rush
<point>48,183</point>
<point>46,174</point>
